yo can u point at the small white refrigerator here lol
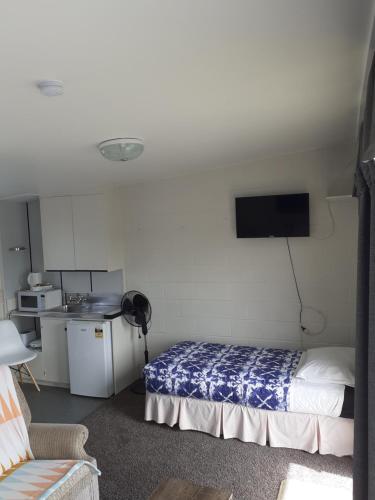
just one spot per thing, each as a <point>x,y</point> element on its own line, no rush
<point>90,358</point>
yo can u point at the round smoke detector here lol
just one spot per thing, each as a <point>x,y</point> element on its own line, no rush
<point>122,149</point>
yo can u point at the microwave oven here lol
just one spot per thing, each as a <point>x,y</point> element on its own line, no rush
<point>29,300</point>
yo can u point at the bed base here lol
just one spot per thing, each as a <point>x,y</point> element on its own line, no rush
<point>300,431</point>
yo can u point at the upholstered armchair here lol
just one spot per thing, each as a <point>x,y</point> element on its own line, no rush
<point>62,441</point>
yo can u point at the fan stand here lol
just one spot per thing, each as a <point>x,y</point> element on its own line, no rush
<point>139,385</point>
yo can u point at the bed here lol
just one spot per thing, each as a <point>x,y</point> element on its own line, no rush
<point>247,393</point>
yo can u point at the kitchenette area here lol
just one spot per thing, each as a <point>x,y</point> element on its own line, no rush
<point>69,310</point>
<point>84,344</point>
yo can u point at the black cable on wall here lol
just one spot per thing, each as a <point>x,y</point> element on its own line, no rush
<point>302,307</point>
<point>303,328</point>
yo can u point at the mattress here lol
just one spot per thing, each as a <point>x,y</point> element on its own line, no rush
<point>348,406</point>
<point>255,377</point>
<point>317,399</point>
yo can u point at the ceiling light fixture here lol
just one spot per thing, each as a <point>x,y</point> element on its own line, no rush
<point>122,149</point>
<point>51,88</point>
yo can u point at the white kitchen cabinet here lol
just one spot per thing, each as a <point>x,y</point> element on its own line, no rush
<point>57,233</point>
<point>91,235</point>
<point>125,353</point>
<point>91,240</point>
<point>51,367</point>
<point>54,350</point>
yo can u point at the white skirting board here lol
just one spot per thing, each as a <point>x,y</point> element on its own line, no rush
<point>301,431</point>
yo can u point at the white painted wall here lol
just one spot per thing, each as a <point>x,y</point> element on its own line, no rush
<point>14,266</point>
<point>204,283</point>
<point>13,229</point>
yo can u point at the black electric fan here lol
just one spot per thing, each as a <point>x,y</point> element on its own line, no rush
<point>136,309</point>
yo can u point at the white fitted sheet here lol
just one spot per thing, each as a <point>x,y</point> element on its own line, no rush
<point>317,399</point>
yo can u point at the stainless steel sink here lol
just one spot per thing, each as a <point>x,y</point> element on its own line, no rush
<point>72,308</point>
<point>86,311</point>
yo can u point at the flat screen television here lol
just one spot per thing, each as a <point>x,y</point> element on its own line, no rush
<point>273,216</point>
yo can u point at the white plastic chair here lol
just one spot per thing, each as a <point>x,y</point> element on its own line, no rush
<point>13,351</point>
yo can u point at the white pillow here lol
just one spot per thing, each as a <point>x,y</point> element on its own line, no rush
<point>330,365</point>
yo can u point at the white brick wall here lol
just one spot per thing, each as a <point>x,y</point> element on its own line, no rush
<point>205,284</point>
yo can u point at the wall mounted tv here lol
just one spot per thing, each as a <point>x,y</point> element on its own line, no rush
<point>273,216</point>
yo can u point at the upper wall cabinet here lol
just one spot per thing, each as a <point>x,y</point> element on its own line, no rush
<point>91,236</point>
<point>57,233</point>
<point>79,233</point>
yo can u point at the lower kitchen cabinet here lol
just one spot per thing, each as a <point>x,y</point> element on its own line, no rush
<point>55,350</point>
<point>52,365</point>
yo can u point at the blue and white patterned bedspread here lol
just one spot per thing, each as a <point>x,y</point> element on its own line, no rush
<point>248,376</point>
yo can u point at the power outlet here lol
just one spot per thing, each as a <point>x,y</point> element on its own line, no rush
<point>11,304</point>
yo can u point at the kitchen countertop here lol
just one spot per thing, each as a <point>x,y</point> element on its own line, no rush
<point>97,312</point>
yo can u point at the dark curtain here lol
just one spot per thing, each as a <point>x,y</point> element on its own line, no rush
<point>364,422</point>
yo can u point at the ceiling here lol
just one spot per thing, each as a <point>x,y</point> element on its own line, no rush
<point>206,83</point>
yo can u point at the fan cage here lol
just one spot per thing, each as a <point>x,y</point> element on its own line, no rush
<point>130,318</point>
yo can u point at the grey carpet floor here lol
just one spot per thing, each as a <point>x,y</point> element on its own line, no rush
<point>134,456</point>
<point>55,404</point>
